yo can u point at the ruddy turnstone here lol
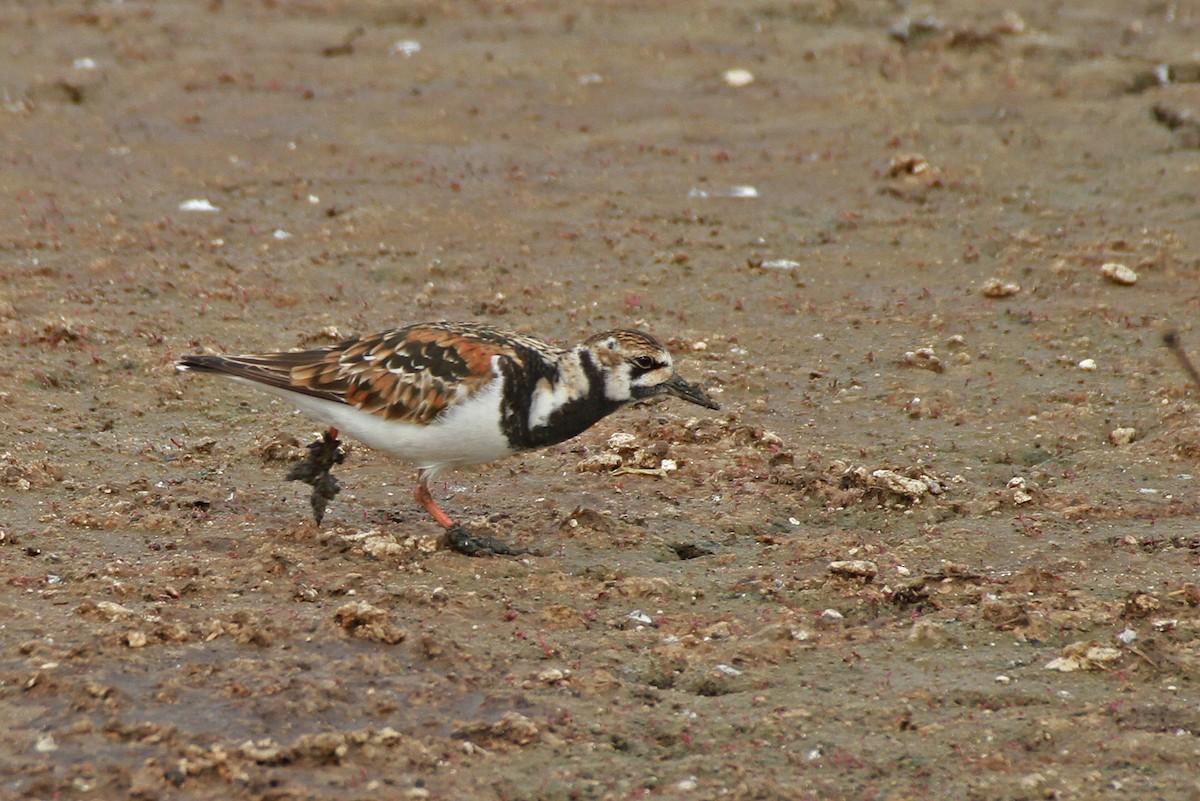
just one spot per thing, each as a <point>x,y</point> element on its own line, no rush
<point>442,394</point>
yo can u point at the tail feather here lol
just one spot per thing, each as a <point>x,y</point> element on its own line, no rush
<point>252,368</point>
<point>270,370</point>
<point>202,364</point>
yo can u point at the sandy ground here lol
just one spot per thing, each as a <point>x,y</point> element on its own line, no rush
<point>882,253</point>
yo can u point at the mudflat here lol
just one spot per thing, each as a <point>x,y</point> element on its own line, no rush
<point>942,540</point>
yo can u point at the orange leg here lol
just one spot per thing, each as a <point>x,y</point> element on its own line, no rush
<point>426,500</point>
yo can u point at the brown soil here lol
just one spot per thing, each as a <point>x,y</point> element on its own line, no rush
<point>1019,614</point>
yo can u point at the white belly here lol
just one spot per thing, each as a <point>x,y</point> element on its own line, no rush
<point>467,434</point>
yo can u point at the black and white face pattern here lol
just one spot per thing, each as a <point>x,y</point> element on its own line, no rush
<point>637,366</point>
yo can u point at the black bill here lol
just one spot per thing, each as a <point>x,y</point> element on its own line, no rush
<point>689,392</point>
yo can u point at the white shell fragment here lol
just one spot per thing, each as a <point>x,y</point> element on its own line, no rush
<point>197,204</point>
<point>621,441</point>
<point>1084,656</point>
<point>1087,364</point>
<point>405,47</point>
<point>892,481</point>
<point>995,288</point>
<point>1119,274</point>
<point>741,190</point>
<point>737,77</point>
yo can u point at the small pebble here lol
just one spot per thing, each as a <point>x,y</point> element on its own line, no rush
<point>405,47</point>
<point>197,204</point>
<point>1088,364</point>
<point>1119,274</point>
<point>995,288</point>
<point>1122,436</point>
<point>854,568</point>
<point>737,77</point>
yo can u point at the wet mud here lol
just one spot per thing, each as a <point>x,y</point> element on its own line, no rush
<point>941,540</point>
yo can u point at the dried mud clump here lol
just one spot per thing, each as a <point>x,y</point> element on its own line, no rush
<point>27,475</point>
<point>512,729</point>
<point>623,454</point>
<point>244,627</point>
<point>841,485</point>
<point>369,622</point>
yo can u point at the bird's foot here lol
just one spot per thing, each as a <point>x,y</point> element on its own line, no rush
<point>460,539</point>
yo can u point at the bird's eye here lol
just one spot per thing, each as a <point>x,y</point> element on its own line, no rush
<point>645,362</point>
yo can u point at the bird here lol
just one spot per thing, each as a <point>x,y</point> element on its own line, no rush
<point>441,394</point>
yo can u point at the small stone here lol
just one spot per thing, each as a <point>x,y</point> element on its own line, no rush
<point>114,610</point>
<point>552,675</point>
<point>1084,656</point>
<point>604,462</point>
<point>621,441</point>
<point>136,639</point>
<point>1119,274</point>
<point>264,752</point>
<point>890,480</point>
<point>930,634</point>
<point>1087,364</point>
<point>925,359</point>
<point>1122,436</point>
<point>995,288</point>
<point>197,204</point>
<point>854,568</point>
<point>737,77</point>
<point>907,164</point>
